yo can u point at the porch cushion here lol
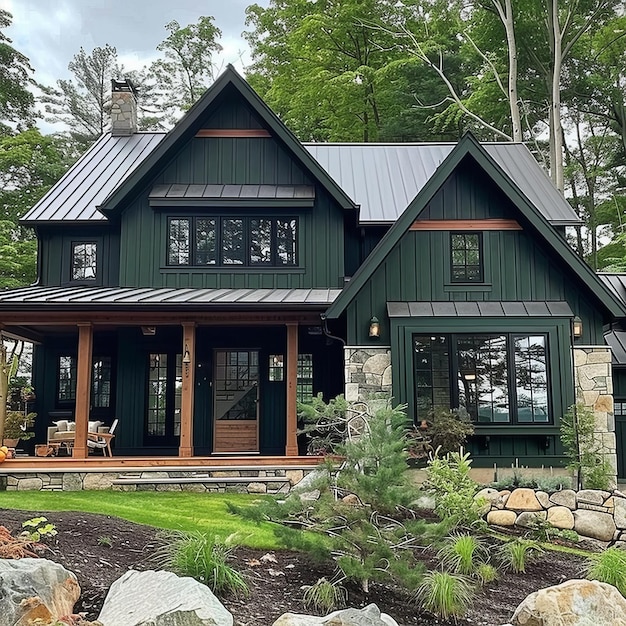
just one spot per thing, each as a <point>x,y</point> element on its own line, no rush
<point>62,425</point>
<point>92,427</point>
<point>71,426</point>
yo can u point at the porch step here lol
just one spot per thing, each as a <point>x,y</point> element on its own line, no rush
<point>136,480</point>
<point>52,488</point>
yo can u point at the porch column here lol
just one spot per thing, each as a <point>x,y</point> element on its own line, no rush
<point>291,449</point>
<point>83,389</point>
<point>186,400</point>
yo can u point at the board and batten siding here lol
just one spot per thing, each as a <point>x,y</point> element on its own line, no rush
<point>518,266</point>
<point>233,161</point>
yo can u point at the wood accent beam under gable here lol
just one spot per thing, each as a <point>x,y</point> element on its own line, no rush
<point>490,224</point>
<point>232,132</point>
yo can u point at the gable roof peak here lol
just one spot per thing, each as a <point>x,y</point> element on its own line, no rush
<point>191,122</point>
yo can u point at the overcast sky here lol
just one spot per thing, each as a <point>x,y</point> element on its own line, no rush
<point>50,32</point>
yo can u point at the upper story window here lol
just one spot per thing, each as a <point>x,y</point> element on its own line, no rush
<point>467,258</point>
<point>232,241</point>
<point>84,260</point>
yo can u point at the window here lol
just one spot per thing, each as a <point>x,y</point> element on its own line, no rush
<point>276,368</point>
<point>100,381</point>
<point>228,241</point>
<point>157,394</point>
<point>497,379</point>
<point>84,266</point>
<point>304,388</point>
<point>466,258</point>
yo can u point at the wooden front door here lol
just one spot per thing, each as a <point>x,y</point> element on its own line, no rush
<point>236,401</point>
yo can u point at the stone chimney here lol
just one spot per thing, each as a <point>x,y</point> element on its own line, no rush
<point>123,108</point>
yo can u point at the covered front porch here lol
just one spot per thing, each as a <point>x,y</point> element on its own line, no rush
<point>191,384</point>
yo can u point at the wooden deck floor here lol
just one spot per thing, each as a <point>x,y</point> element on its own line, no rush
<point>96,464</point>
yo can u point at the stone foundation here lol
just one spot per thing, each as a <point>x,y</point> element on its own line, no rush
<point>594,389</point>
<point>270,480</point>
<point>367,372</point>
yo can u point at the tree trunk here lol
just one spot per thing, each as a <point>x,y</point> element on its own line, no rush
<point>556,131</point>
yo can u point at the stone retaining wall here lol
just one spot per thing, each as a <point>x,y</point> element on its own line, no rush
<point>367,372</point>
<point>239,481</point>
<point>591,513</point>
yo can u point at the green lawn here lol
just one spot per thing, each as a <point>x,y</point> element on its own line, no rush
<point>176,511</point>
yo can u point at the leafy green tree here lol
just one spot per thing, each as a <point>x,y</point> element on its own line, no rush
<point>332,72</point>
<point>16,101</point>
<point>189,64</point>
<point>82,103</point>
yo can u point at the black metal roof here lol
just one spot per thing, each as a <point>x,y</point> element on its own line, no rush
<point>93,297</point>
<point>479,309</point>
<point>616,340</point>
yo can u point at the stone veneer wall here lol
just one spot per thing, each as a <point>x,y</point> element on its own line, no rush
<point>590,512</point>
<point>594,388</point>
<point>368,371</point>
<point>233,480</point>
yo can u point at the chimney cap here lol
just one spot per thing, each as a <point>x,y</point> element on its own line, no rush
<point>123,85</point>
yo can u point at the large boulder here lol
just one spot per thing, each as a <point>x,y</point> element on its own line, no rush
<point>369,616</point>
<point>161,599</point>
<point>573,603</point>
<point>33,589</point>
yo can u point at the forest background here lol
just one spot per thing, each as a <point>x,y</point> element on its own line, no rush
<point>550,73</point>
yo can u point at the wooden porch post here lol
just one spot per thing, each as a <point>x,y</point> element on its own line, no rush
<point>186,401</point>
<point>291,449</point>
<point>83,389</point>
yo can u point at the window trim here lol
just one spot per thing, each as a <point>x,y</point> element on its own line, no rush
<point>69,260</point>
<point>481,258</point>
<point>453,370</point>
<point>219,265</point>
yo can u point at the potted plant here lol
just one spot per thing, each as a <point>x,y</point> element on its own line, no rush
<point>27,393</point>
<point>16,427</point>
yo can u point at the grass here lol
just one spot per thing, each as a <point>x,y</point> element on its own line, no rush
<point>609,567</point>
<point>206,513</point>
<point>444,594</point>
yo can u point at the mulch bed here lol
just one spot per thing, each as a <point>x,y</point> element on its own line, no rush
<point>99,549</point>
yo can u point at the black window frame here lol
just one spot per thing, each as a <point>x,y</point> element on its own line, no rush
<point>453,371</point>
<point>85,281</point>
<point>69,400</point>
<point>467,278</point>
<point>247,220</point>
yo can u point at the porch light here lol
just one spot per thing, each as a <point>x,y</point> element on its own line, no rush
<point>187,356</point>
<point>374,328</point>
<point>148,331</point>
<point>577,327</point>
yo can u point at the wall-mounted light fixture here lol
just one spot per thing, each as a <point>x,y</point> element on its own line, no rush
<point>148,331</point>
<point>374,328</point>
<point>186,360</point>
<point>577,327</point>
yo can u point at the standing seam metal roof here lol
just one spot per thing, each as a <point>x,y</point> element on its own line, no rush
<point>147,296</point>
<point>383,179</point>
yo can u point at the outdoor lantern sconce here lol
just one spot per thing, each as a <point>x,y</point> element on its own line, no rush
<point>374,328</point>
<point>186,360</point>
<point>577,327</point>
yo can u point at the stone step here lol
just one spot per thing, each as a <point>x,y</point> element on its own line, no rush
<point>134,480</point>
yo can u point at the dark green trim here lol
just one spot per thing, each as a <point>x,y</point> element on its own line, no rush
<point>469,146</point>
<point>186,129</point>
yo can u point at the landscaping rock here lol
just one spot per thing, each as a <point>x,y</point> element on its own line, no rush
<point>161,599</point>
<point>573,603</point>
<point>592,496</point>
<point>369,616</point>
<point>544,499</point>
<point>529,519</point>
<point>310,480</point>
<point>566,497</point>
<point>523,500</point>
<point>619,514</point>
<point>501,518</point>
<point>594,524</point>
<point>33,589</point>
<point>561,517</point>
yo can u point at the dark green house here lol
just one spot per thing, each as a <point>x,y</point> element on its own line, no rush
<point>195,285</point>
